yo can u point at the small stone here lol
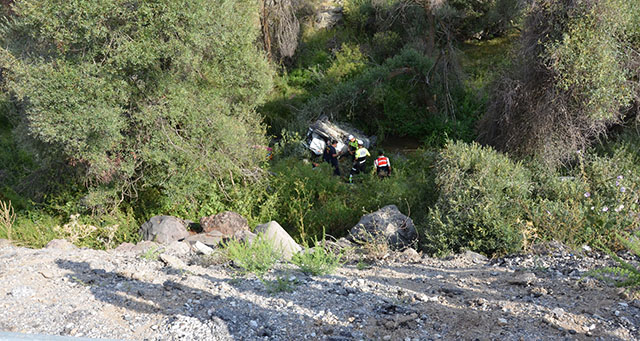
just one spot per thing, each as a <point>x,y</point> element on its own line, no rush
<point>558,312</point>
<point>253,324</point>
<point>22,292</point>
<point>502,322</point>
<point>617,313</point>
<point>537,291</point>
<point>523,279</point>
<point>264,332</point>
<point>387,337</point>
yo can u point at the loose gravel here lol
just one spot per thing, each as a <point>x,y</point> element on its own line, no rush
<point>136,293</point>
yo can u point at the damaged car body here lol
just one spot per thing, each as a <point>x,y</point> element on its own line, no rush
<point>323,131</point>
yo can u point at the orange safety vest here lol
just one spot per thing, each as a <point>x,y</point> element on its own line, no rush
<point>382,161</point>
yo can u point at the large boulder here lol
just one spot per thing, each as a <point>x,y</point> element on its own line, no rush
<point>279,238</point>
<point>389,224</point>
<point>164,229</point>
<point>227,223</point>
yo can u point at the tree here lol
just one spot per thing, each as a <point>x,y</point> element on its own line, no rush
<point>576,75</point>
<point>141,94</point>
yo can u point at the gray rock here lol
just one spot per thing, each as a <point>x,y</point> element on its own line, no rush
<point>227,223</point>
<point>177,249</point>
<point>124,247</point>
<point>279,238</point>
<point>474,257</point>
<point>245,236</point>
<point>411,255</point>
<point>388,223</point>
<point>522,278</point>
<point>172,261</point>
<point>61,244</point>
<point>164,229</point>
<point>211,239</point>
<point>145,246</point>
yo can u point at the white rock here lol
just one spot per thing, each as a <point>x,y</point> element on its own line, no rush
<point>279,238</point>
<point>558,312</point>
<point>203,249</point>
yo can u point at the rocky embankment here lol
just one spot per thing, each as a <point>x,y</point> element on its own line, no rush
<point>174,293</point>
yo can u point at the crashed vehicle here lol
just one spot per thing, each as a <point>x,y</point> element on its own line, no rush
<point>322,132</point>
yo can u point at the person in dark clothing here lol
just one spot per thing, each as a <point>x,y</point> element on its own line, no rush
<point>326,153</point>
<point>332,157</point>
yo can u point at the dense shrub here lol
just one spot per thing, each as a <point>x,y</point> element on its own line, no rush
<point>594,201</point>
<point>388,99</point>
<point>575,75</point>
<point>481,204</point>
<point>144,96</point>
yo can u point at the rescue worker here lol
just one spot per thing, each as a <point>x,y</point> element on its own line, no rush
<point>352,144</point>
<point>360,160</point>
<point>383,165</point>
<point>331,156</point>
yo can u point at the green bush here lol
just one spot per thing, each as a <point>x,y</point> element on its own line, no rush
<point>481,203</point>
<point>155,96</point>
<point>257,257</point>
<point>591,202</point>
<point>349,62</point>
<point>33,229</point>
<point>625,274</point>
<point>317,261</point>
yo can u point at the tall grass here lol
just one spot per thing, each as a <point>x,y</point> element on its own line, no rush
<point>7,218</point>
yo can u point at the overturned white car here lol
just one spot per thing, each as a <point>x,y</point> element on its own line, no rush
<point>322,132</point>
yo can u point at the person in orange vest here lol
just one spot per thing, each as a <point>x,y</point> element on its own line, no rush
<point>383,165</point>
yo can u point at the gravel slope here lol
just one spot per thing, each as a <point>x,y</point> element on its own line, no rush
<point>118,294</point>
